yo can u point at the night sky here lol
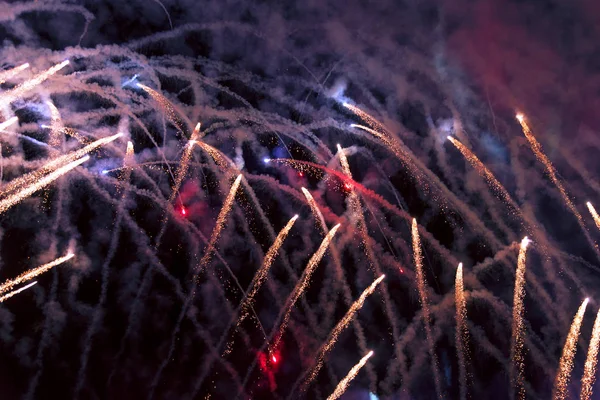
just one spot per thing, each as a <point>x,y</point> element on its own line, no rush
<point>147,306</point>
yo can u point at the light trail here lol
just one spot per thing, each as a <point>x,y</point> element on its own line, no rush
<point>462,331</point>
<point>32,177</point>
<point>14,292</point>
<point>32,273</point>
<point>27,191</point>
<point>421,285</point>
<point>303,283</point>
<point>563,376</point>
<point>343,385</point>
<point>335,333</point>
<point>13,94</point>
<point>589,371</point>
<point>517,369</point>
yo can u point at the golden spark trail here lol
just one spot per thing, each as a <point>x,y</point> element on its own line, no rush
<point>343,385</point>
<point>261,276</point>
<point>36,175</point>
<point>184,165</point>
<point>366,117</point>
<point>518,332</point>
<point>462,331</point>
<point>594,214</point>
<point>315,209</point>
<point>20,90</point>
<point>11,294</point>
<point>568,354</point>
<point>303,283</point>
<point>32,273</point>
<point>56,125</point>
<point>219,225</point>
<point>589,372</point>
<point>537,150</point>
<point>27,191</point>
<point>219,158</point>
<point>166,105</point>
<point>483,171</point>
<point>8,123</point>
<point>6,75</point>
<point>421,284</point>
<point>335,333</point>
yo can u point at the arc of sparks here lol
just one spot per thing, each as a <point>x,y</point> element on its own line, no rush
<point>10,95</point>
<point>32,273</point>
<point>8,123</point>
<point>462,331</point>
<point>27,191</point>
<point>343,385</point>
<point>303,283</point>
<point>261,276</point>
<point>589,372</point>
<point>14,292</point>
<point>565,366</point>
<point>594,214</point>
<point>32,177</point>
<point>166,105</point>
<point>421,285</point>
<point>335,333</point>
<point>219,226</point>
<point>517,369</point>
<point>8,74</point>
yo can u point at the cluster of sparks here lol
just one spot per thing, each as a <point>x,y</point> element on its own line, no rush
<point>20,188</point>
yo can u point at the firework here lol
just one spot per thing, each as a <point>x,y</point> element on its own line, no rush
<point>56,126</point>
<point>462,331</point>
<point>32,273</point>
<point>418,257</point>
<point>518,333</point>
<point>589,372</point>
<point>35,176</point>
<point>8,122</point>
<point>594,214</point>
<point>366,117</point>
<point>9,96</point>
<point>303,283</point>
<point>537,150</point>
<point>568,354</point>
<point>184,164</point>
<point>8,74</point>
<point>261,275</point>
<point>343,385</point>
<point>219,226</point>
<point>476,163</point>
<point>219,158</point>
<point>166,106</point>
<point>27,191</point>
<point>11,294</point>
<point>335,333</point>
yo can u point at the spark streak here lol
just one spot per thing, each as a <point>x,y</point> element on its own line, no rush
<point>462,331</point>
<point>261,275</point>
<point>14,292</point>
<point>32,273</point>
<point>8,123</point>
<point>537,150</point>
<point>26,86</point>
<point>594,214</point>
<point>343,385</point>
<point>365,116</point>
<point>518,334</point>
<point>219,226</point>
<point>303,282</point>
<point>32,177</point>
<point>184,165</point>
<point>6,75</point>
<point>476,163</point>
<point>421,284</point>
<point>56,125</point>
<point>27,191</point>
<point>166,105</point>
<point>335,333</point>
<point>589,372</point>
<point>568,354</point>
